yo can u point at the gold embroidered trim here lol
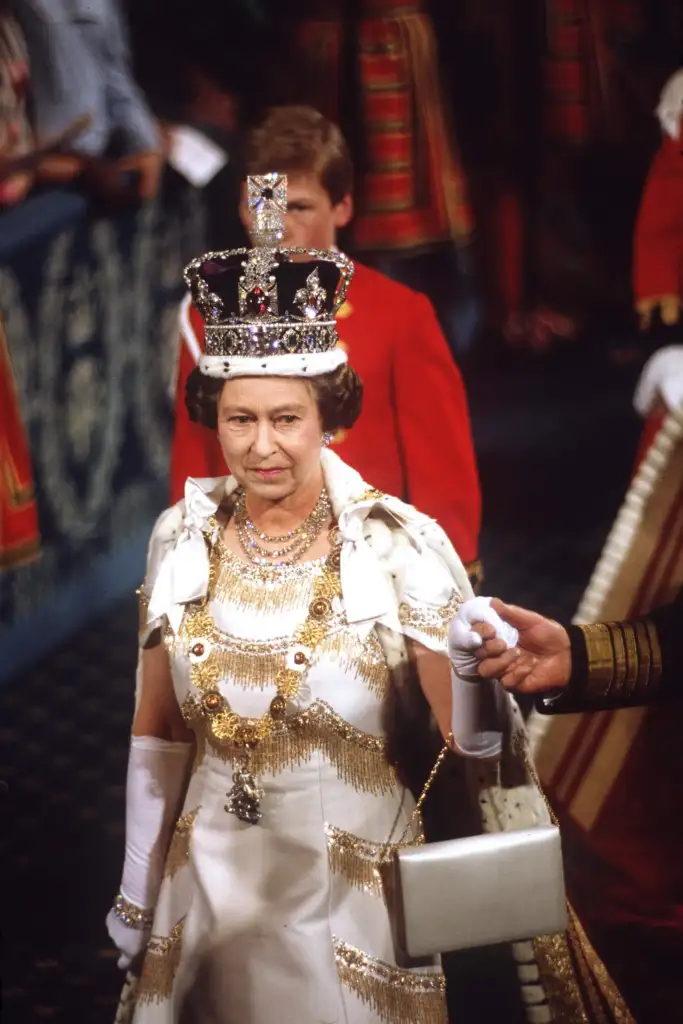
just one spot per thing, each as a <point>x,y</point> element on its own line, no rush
<point>559,980</point>
<point>624,661</point>
<point>372,494</point>
<point>160,966</point>
<point>396,995</point>
<point>601,664</point>
<point>596,978</point>
<point>432,622</point>
<point>357,859</point>
<point>632,660</point>
<point>359,758</point>
<point>179,849</point>
<point>619,648</point>
<point>263,588</point>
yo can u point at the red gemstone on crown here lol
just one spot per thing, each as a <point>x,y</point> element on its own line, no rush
<point>258,301</point>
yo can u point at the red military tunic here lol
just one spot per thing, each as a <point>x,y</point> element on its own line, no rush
<point>413,438</point>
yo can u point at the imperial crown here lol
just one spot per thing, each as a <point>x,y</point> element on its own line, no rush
<point>260,305</point>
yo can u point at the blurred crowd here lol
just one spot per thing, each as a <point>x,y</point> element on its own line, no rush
<point>525,121</point>
<point>71,108</point>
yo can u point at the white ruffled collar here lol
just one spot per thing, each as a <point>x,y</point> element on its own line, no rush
<point>368,594</point>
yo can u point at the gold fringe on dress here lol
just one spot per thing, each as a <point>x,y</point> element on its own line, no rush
<point>256,663</point>
<point>363,658</point>
<point>358,757</point>
<point>398,996</point>
<point>266,589</point>
<point>357,859</point>
<point>251,664</point>
<point>179,850</point>
<point>160,966</point>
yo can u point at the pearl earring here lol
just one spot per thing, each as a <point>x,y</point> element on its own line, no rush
<point>328,438</point>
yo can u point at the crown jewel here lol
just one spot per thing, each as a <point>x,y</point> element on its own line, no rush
<point>267,204</point>
<point>268,301</point>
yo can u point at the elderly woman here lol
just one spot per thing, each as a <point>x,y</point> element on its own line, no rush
<point>282,608</point>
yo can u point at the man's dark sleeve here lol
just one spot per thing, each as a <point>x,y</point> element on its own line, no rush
<point>623,664</point>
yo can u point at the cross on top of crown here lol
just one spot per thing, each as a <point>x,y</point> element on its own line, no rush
<point>267,204</point>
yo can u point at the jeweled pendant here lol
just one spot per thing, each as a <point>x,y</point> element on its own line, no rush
<point>244,798</point>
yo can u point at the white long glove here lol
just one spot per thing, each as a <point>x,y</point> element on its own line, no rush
<point>661,380</point>
<point>157,773</point>
<point>476,731</point>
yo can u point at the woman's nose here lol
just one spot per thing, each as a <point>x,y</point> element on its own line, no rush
<point>263,442</point>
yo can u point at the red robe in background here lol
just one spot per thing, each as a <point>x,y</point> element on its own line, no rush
<point>19,537</point>
<point>658,238</point>
<point>411,192</point>
<point>413,438</point>
<point>565,89</point>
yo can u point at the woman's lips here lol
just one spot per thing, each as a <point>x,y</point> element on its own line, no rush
<point>267,474</point>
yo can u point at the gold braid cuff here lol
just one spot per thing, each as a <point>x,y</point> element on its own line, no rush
<point>624,662</point>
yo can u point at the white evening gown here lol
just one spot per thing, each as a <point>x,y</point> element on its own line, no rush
<point>282,921</point>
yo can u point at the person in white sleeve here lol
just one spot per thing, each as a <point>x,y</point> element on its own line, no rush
<point>283,607</point>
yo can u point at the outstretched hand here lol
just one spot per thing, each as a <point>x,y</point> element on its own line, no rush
<point>541,660</point>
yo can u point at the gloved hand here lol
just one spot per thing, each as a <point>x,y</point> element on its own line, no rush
<point>463,641</point>
<point>130,942</point>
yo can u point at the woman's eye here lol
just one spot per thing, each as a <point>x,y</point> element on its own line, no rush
<point>288,420</point>
<point>240,421</point>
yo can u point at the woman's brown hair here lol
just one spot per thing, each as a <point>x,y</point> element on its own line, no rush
<point>339,396</point>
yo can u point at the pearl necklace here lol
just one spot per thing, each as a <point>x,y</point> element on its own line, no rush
<point>295,542</point>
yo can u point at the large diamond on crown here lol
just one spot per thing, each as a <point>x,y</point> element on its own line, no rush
<point>267,204</point>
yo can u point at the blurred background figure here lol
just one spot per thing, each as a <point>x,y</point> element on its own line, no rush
<point>15,132</point>
<point>658,239</point>
<point>80,65</point>
<point>373,66</point>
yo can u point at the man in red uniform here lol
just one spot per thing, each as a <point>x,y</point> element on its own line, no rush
<point>413,438</point>
<point>658,267</point>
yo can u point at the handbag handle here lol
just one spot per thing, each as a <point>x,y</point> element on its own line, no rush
<point>421,799</point>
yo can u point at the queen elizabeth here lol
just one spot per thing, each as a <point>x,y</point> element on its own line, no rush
<point>291,617</point>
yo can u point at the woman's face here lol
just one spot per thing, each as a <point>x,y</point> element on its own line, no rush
<point>270,431</point>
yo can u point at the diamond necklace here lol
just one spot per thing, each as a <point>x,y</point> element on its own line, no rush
<point>296,542</point>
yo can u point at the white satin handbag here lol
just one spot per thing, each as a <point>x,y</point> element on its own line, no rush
<point>478,891</point>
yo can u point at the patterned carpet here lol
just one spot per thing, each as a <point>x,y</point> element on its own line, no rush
<point>555,444</point>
